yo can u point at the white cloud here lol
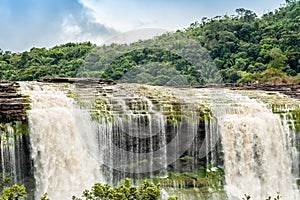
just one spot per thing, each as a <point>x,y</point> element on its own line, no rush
<point>133,14</point>
<point>47,24</point>
<point>83,27</point>
<point>114,14</point>
<point>70,29</point>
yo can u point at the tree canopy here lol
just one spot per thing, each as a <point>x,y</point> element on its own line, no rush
<point>239,48</point>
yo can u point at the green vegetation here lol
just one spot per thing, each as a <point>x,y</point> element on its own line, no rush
<point>15,192</point>
<point>59,61</point>
<point>209,180</point>
<point>240,48</point>
<point>247,49</point>
<point>125,191</point>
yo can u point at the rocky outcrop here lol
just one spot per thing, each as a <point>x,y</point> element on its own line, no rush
<point>15,149</point>
<point>13,105</point>
<point>79,80</point>
<point>292,90</point>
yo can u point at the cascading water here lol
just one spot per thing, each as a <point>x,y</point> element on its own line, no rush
<point>14,158</point>
<point>258,147</point>
<point>62,166</point>
<point>132,133</point>
<point>255,143</point>
<point>8,153</point>
<point>127,129</point>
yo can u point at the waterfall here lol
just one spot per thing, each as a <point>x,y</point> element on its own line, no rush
<point>62,165</point>
<point>132,135</point>
<point>108,132</point>
<point>256,144</point>
<point>8,153</point>
<point>14,157</point>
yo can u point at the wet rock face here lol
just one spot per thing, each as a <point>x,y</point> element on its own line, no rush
<point>13,105</point>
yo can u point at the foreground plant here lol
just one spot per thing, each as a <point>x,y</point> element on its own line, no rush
<point>125,191</point>
<point>15,192</point>
<point>247,197</point>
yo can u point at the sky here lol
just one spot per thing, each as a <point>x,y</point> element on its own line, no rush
<point>46,23</point>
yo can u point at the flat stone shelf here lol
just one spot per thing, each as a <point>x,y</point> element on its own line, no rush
<point>292,90</point>
<point>79,80</point>
<point>13,105</point>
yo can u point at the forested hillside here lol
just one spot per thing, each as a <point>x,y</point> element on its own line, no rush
<point>59,61</point>
<point>246,48</point>
<point>239,48</point>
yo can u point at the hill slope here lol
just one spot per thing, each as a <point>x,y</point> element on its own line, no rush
<point>240,48</point>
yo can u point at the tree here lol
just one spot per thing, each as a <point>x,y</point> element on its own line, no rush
<point>278,58</point>
<point>247,15</point>
<point>240,11</point>
<point>290,1</point>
